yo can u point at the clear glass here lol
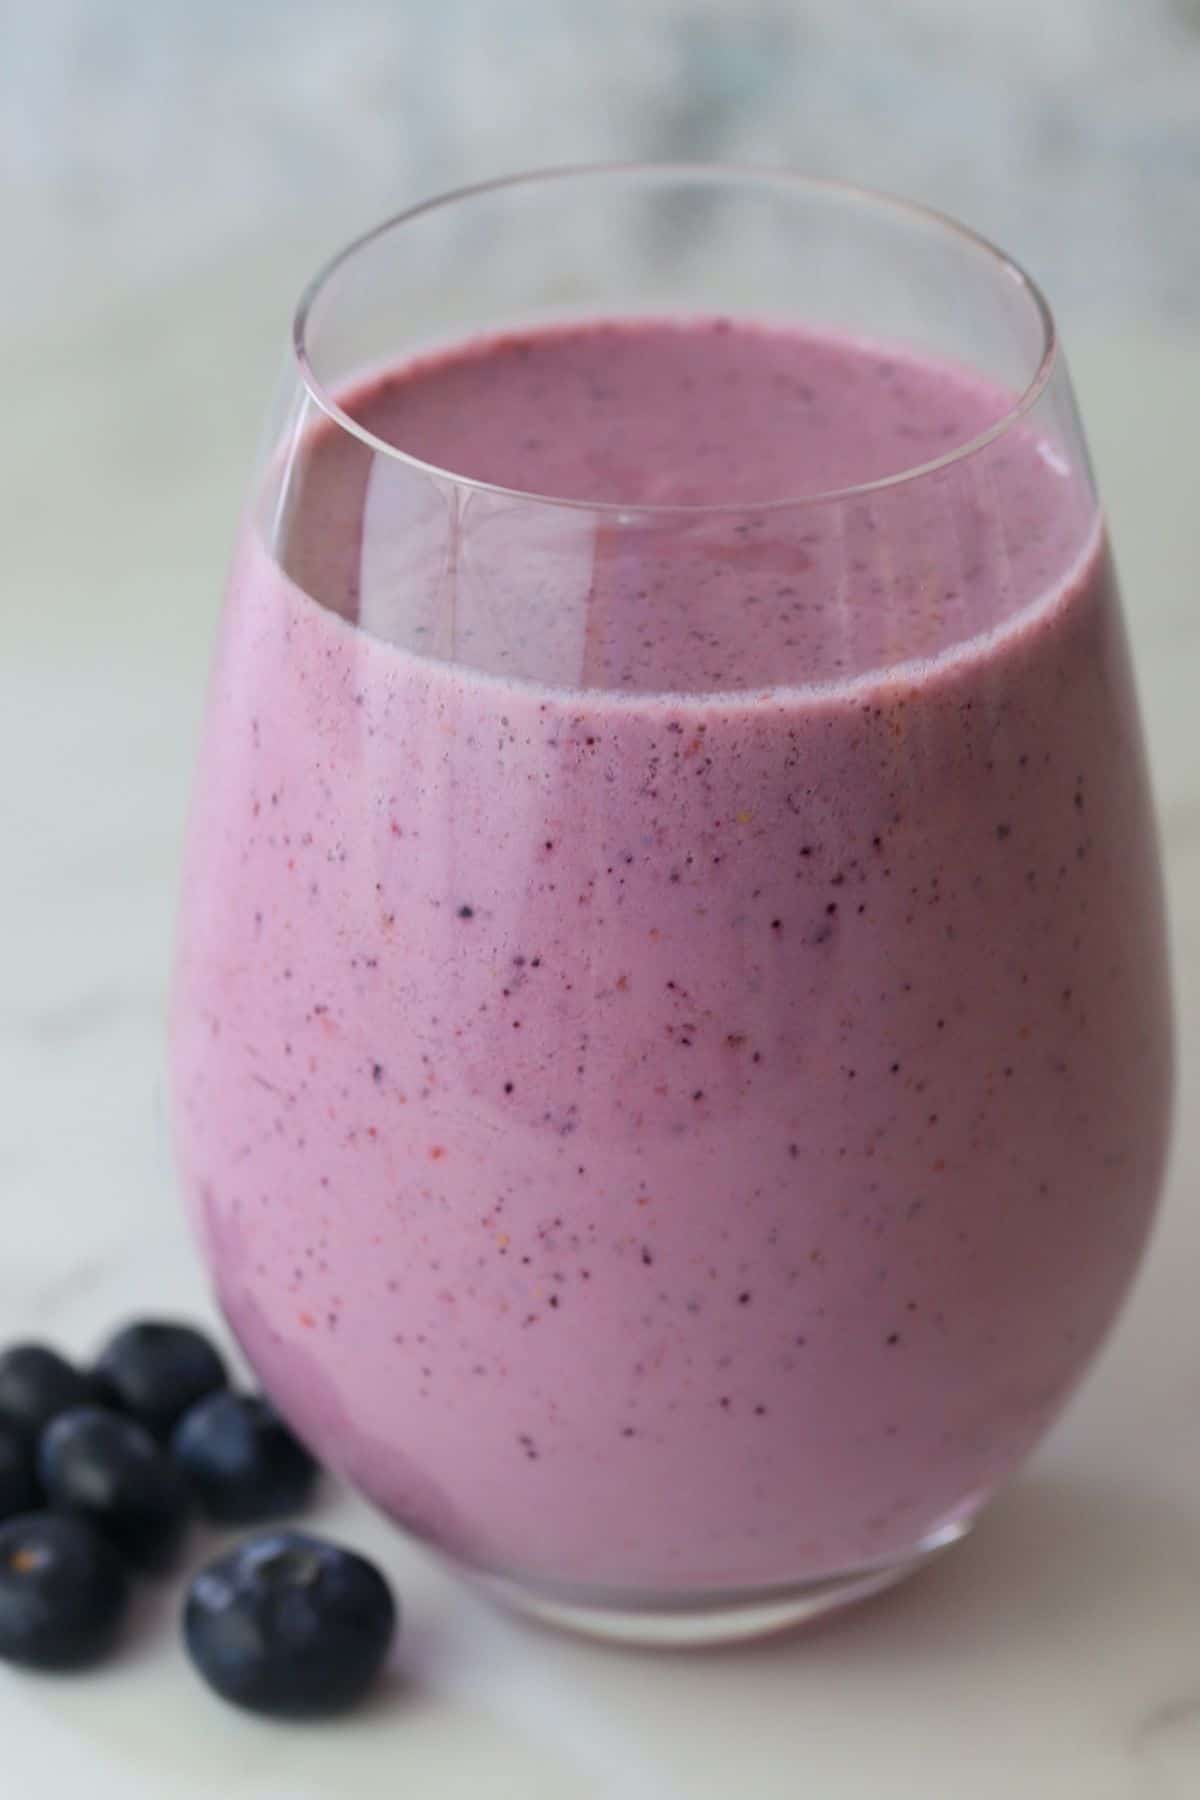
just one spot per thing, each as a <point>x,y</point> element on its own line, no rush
<point>673,1125</point>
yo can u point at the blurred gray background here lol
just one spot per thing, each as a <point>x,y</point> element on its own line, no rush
<point>150,140</point>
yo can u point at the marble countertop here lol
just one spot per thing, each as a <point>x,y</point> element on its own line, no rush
<point>1056,1653</point>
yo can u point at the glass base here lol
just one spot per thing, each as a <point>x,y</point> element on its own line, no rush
<point>681,1621</point>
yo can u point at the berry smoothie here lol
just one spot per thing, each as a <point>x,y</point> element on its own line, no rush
<point>671,1049</point>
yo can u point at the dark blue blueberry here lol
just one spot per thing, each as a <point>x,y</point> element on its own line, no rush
<point>19,1489</point>
<point>106,1469</point>
<point>36,1384</point>
<point>289,1624</point>
<point>157,1369</point>
<point>240,1460</point>
<point>63,1592</point>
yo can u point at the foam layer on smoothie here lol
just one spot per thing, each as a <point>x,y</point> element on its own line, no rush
<point>660,414</point>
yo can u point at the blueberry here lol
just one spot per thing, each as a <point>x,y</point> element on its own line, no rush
<point>19,1490</point>
<point>240,1460</point>
<point>157,1369</point>
<point>106,1469</point>
<point>289,1624</point>
<point>63,1592</point>
<point>36,1384</point>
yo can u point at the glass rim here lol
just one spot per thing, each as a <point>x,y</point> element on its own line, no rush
<point>763,176</point>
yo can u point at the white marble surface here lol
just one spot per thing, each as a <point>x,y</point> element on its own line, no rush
<point>1055,1655</point>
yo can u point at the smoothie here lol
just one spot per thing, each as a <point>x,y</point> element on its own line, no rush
<point>670,1036</point>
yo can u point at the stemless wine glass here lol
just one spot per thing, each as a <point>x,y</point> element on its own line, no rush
<point>671,1040</point>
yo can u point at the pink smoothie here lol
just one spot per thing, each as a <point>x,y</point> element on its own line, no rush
<point>670,1036</point>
